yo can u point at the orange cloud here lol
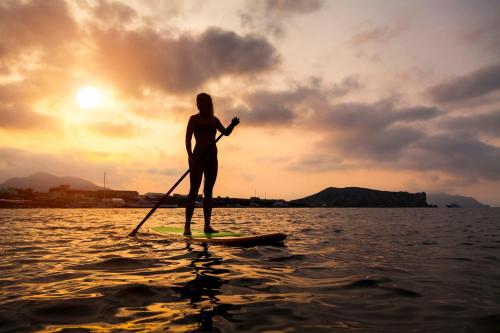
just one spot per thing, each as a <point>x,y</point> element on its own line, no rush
<point>117,130</point>
<point>145,58</point>
<point>34,26</point>
<point>21,117</point>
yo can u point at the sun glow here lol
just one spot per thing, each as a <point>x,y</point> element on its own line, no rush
<point>88,97</point>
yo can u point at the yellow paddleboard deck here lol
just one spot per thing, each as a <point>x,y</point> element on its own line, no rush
<point>222,237</point>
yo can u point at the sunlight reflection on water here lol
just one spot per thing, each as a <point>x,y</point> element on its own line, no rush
<point>343,269</point>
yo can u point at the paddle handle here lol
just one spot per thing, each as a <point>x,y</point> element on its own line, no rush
<point>151,212</point>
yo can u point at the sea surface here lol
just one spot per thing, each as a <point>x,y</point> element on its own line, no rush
<point>340,270</point>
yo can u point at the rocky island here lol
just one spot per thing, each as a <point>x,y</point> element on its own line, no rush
<point>361,197</point>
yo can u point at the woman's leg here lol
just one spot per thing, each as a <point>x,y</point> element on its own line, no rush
<point>195,181</point>
<point>208,187</point>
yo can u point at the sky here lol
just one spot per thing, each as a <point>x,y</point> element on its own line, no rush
<point>391,95</point>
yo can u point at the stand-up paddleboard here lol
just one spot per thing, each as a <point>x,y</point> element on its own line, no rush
<point>223,237</point>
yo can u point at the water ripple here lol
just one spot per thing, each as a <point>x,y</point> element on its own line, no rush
<point>369,270</point>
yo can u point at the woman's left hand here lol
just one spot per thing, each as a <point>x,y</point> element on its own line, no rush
<point>235,122</point>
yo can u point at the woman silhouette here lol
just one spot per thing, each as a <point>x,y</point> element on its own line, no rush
<point>203,160</point>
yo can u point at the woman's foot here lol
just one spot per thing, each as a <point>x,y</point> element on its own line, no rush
<point>210,230</point>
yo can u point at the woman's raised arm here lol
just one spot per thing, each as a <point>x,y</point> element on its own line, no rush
<point>229,129</point>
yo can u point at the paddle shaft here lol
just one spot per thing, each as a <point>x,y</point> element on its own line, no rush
<point>162,199</point>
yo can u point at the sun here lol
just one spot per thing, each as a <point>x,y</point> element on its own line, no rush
<point>88,97</point>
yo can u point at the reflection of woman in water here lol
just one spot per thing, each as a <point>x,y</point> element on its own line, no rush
<point>203,160</point>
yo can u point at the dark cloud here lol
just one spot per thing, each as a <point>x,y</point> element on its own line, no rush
<point>363,117</point>
<point>474,84</point>
<point>311,105</point>
<point>285,107</point>
<point>487,123</point>
<point>147,59</point>
<point>377,145</point>
<point>278,115</point>
<point>461,155</point>
<point>270,16</point>
<point>417,113</point>
<point>264,108</point>
<point>363,133</point>
<point>383,135</point>
<point>275,108</point>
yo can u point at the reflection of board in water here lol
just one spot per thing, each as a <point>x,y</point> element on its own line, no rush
<point>223,237</point>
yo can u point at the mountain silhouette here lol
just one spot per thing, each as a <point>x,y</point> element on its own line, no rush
<point>361,197</point>
<point>443,199</point>
<point>43,181</point>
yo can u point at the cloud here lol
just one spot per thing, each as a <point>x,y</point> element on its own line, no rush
<point>347,85</point>
<point>285,107</point>
<point>461,155</point>
<point>270,16</point>
<point>15,93</point>
<point>378,131</point>
<point>21,117</point>
<point>113,13</point>
<point>113,129</point>
<point>317,162</point>
<point>486,123</point>
<point>463,158</point>
<point>363,117</point>
<point>377,145</point>
<point>485,32</point>
<point>377,34</point>
<point>266,108</point>
<point>475,84</point>
<point>16,104</point>
<point>147,59</point>
<point>16,112</point>
<point>382,135</point>
<point>288,7</point>
<point>43,26</point>
<point>312,104</point>
<point>43,35</point>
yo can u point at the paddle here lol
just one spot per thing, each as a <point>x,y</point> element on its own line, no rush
<point>233,124</point>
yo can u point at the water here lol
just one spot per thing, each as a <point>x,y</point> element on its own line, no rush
<point>368,270</point>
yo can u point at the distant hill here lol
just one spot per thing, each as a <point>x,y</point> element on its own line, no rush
<point>361,197</point>
<point>443,199</point>
<point>43,181</point>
